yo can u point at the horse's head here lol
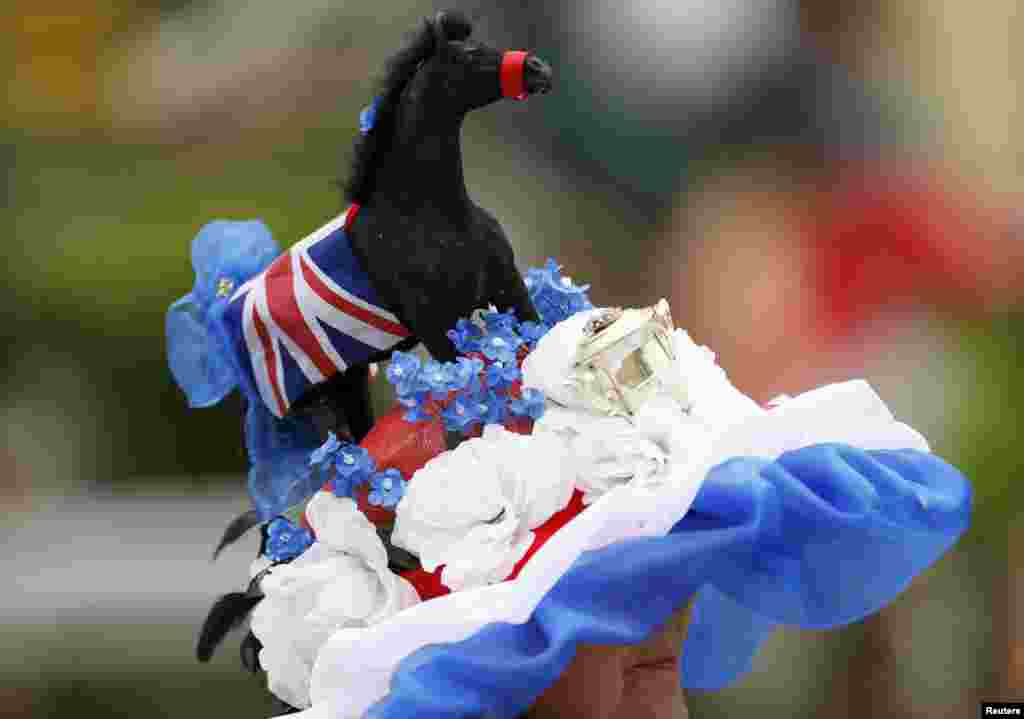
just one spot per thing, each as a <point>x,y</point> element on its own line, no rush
<point>430,83</point>
<point>468,75</point>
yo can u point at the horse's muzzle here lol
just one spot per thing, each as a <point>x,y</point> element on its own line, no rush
<point>523,74</point>
<point>536,76</point>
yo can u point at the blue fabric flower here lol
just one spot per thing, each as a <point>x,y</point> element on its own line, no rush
<point>353,461</point>
<point>464,373</point>
<point>500,375</point>
<point>501,346</point>
<point>466,336</point>
<point>353,465</point>
<point>555,297</point>
<point>368,116</point>
<point>386,488</point>
<point>436,379</point>
<point>286,541</point>
<point>537,277</point>
<point>416,404</point>
<point>531,332</point>
<point>415,399</point>
<point>500,321</point>
<point>403,372</point>
<point>480,398</point>
<point>325,452</point>
<point>554,307</point>
<point>461,414</point>
<point>225,254</point>
<point>491,407</point>
<point>417,414</point>
<point>531,404</point>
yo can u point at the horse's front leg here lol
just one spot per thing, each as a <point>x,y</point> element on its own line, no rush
<point>437,343</point>
<point>354,398</point>
<point>341,404</point>
<point>442,350</point>
<point>523,305</point>
<point>511,294</point>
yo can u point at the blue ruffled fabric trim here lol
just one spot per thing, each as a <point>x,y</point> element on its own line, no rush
<point>819,538</point>
<point>225,255</point>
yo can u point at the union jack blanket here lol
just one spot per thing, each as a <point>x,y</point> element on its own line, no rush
<point>310,314</point>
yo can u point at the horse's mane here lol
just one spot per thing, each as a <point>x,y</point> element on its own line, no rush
<point>371,148</point>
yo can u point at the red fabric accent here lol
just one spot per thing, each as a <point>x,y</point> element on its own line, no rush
<point>347,307</point>
<point>428,584</point>
<point>350,215</point>
<point>268,357</point>
<point>284,309</point>
<point>545,531</point>
<point>519,425</point>
<point>395,443</point>
<point>512,84</point>
<point>378,515</point>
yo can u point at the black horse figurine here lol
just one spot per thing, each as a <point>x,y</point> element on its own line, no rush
<point>428,253</point>
<point>431,254</point>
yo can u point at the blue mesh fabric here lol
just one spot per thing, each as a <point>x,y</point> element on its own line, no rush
<point>226,254</point>
<point>280,476</point>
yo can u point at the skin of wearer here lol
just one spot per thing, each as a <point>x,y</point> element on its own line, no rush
<point>621,682</point>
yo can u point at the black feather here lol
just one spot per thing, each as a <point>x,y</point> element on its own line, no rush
<point>281,707</point>
<point>250,652</point>
<point>236,530</point>
<point>226,614</point>
<point>398,559</point>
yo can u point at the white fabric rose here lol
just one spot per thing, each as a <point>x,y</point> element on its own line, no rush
<point>548,366</point>
<point>714,398</point>
<point>473,508</point>
<point>341,581</point>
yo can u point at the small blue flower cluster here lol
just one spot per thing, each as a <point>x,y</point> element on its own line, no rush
<point>353,466</point>
<point>285,540</point>
<point>479,396</point>
<point>368,116</point>
<point>554,296</point>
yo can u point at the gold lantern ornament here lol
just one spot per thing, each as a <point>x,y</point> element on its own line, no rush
<point>625,357</point>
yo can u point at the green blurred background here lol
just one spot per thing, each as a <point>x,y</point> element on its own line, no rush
<point>724,155</point>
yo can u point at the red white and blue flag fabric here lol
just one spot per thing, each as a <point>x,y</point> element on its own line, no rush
<point>310,314</point>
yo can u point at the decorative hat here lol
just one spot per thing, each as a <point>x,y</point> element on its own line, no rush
<point>612,475</point>
<point>594,524</point>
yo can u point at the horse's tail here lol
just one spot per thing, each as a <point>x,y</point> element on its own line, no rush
<point>225,255</point>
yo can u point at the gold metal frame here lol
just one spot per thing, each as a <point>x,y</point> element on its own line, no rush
<point>625,357</point>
